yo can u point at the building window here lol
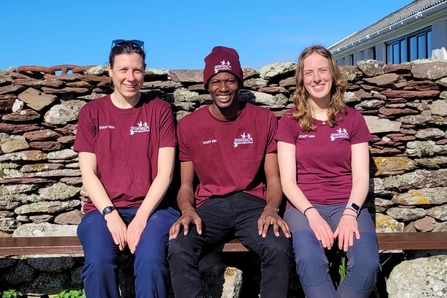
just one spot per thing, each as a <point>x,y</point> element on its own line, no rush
<point>410,47</point>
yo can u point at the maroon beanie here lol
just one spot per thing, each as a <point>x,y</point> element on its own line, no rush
<point>222,59</point>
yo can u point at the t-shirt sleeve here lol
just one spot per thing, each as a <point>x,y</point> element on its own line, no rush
<point>272,127</point>
<point>287,129</point>
<point>167,127</point>
<point>360,131</point>
<point>85,131</point>
<point>184,153</point>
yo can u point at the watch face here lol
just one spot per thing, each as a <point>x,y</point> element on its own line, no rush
<point>107,210</point>
<point>354,207</point>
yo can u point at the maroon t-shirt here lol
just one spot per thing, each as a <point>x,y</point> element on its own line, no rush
<point>126,144</point>
<point>228,156</point>
<point>323,157</point>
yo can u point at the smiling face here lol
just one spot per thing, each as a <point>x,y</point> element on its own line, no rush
<point>224,89</point>
<point>127,75</point>
<point>317,77</point>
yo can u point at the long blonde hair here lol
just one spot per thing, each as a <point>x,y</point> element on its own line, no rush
<point>337,107</point>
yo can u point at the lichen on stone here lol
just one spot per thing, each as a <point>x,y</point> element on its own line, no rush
<point>425,149</point>
<point>423,201</point>
<point>58,191</point>
<point>185,95</point>
<point>8,170</point>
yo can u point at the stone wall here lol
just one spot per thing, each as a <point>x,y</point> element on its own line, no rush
<point>405,107</point>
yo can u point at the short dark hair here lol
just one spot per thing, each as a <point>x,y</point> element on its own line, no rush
<point>126,47</point>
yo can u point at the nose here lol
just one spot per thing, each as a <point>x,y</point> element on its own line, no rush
<point>130,76</point>
<point>317,77</point>
<point>223,86</point>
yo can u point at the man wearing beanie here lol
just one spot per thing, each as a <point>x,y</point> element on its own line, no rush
<point>230,146</point>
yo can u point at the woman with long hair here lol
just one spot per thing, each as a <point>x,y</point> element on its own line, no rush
<point>324,166</point>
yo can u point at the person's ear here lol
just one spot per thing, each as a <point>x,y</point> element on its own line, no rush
<point>109,69</point>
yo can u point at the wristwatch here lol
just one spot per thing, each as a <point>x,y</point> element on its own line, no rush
<point>108,210</point>
<point>354,207</point>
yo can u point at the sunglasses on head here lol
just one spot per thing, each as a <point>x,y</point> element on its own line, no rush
<point>133,42</point>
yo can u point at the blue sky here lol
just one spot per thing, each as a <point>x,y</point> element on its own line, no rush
<point>178,34</point>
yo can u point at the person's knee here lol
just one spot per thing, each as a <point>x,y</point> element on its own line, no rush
<point>365,253</point>
<point>174,247</point>
<point>179,247</point>
<point>278,246</point>
<point>365,265</point>
<point>311,264</point>
<point>94,264</point>
<point>307,248</point>
<point>150,257</point>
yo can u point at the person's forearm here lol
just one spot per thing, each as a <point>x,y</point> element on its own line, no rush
<point>159,187</point>
<point>295,196</point>
<point>185,199</point>
<point>274,195</point>
<point>96,191</point>
<point>154,196</point>
<point>359,191</point>
<point>360,173</point>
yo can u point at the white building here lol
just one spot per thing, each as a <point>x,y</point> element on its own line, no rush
<point>416,31</point>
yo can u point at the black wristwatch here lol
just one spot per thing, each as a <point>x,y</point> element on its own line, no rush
<point>108,210</point>
<point>354,207</point>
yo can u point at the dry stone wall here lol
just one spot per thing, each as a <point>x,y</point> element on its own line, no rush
<point>405,107</point>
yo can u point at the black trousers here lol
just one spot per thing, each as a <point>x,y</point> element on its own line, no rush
<point>224,218</point>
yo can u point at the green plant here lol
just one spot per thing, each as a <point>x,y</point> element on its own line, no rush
<point>342,269</point>
<point>342,272</point>
<point>70,294</point>
<point>11,294</point>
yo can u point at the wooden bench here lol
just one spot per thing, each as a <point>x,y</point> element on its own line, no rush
<point>70,245</point>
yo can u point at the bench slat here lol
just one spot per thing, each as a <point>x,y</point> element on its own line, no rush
<point>412,241</point>
<point>16,246</point>
<point>70,245</point>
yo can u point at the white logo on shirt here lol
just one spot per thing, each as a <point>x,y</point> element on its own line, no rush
<point>341,133</point>
<point>245,139</point>
<point>223,66</point>
<point>142,127</point>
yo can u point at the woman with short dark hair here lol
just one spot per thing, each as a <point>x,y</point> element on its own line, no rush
<point>126,143</point>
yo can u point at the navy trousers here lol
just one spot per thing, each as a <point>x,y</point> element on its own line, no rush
<point>100,272</point>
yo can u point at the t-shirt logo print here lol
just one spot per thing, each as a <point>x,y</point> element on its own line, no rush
<point>341,133</point>
<point>141,127</point>
<point>243,140</point>
<point>223,66</point>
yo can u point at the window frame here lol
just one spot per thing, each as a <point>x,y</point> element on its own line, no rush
<point>410,47</point>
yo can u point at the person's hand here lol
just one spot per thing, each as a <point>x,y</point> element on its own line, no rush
<point>189,216</point>
<point>347,228</point>
<point>269,218</point>
<point>320,228</point>
<point>117,229</point>
<point>134,231</point>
